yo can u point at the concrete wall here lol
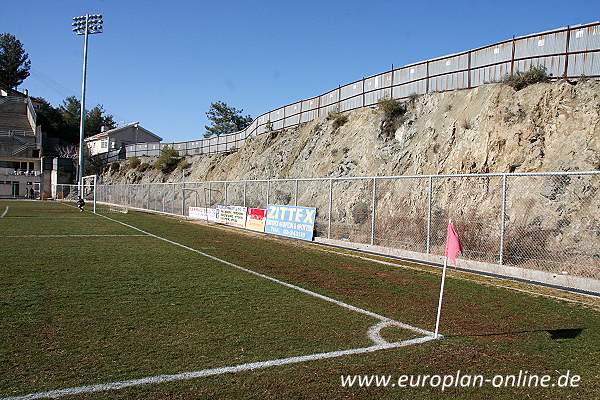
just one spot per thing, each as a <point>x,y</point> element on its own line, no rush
<point>24,184</point>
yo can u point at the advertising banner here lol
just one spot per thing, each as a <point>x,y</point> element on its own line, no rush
<point>291,221</point>
<point>255,219</point>
<point>232,215</point>
<point>203,213</point>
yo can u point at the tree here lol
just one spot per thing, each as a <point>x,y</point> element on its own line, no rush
<point>69,111</point>
<point>14,62</point>
<point>50,119</point>
<point>94,118</point>
<point>225,119</point>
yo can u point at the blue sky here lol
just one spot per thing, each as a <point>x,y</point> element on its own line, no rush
<point>164,62</point>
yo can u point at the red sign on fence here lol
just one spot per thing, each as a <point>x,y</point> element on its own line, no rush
<point>255,219</point>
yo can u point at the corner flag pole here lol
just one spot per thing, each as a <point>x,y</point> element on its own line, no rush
<point>452,247</point>
<point>439,311</point>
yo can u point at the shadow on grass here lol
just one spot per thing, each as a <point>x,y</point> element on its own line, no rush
<point>555,334</point>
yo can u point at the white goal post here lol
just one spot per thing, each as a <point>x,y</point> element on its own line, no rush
<point>88,188</point>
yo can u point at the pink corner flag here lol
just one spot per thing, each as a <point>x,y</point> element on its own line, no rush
<point>452,244</point>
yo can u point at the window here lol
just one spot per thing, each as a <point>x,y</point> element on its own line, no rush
<point>104,144</point>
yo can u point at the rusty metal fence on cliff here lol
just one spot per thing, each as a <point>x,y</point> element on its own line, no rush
<point>540,221</point>
<point>568,53</point>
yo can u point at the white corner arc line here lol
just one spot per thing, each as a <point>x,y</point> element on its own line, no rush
<point>280,282</point>
<point>4,213</point>
<point>375,335</point>
<point>214,371</point>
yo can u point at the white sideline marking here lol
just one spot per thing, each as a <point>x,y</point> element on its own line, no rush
<point>4,213</point>
<point>215,371</point>
<point>289,285</point>
<point>57,236</point>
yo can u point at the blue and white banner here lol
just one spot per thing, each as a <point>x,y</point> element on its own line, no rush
<point>291,221</point>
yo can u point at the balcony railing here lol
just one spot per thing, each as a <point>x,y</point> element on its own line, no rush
<point>19,172</point>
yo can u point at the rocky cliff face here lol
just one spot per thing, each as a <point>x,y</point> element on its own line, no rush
<point>544,127</point>
<point>552,223</point>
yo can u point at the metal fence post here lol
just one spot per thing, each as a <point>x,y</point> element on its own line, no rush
<point>373,202</point>
<point>173,200</point>
<point>392,83</point>
<point>429,200</point>
<point>565,74</point>
<point>469,71</point>
<point>148,197</point>
<point>183,198</point>
<point>245,182</point>
<point>427,77</point>
<point>512,57</point>
<point>268,190</point>
<point>296,193</point>
<point>209,194</point>
<point>363,92</point>
<point>502,220</point>
<point>329,208</point>
<point>225,195</point>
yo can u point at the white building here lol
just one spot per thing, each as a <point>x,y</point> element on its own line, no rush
<point>116,138</point>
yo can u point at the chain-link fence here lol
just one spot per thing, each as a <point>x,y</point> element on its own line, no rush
<point>540,221</point>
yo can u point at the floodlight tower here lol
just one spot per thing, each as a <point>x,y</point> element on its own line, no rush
<point>85,25</point>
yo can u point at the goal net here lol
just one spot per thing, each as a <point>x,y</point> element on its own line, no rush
<point>83,194</point>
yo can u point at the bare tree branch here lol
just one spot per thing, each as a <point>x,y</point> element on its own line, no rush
<point>68,151</point>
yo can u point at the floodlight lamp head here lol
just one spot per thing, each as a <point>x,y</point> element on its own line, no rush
<point>90,24</point>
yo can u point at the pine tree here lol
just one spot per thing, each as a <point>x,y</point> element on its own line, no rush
<point>14,62</point>
<point>225,119</point>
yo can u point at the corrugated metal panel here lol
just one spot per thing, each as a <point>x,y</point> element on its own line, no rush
<point>373,97</point>
<point>329,102</point>
<point>587,38</point>
<point>411,73</point>
<point>491,55</point>
<point>449,80</point>
<point>587,64</point>
<point>407,89</point>
<point>292,109</point>
<point>324,111</point>
<point>490,64</point>
<point>554,65</point>
<point>380,81</point>
<point>489,74</point>
<point>293,120</point>
<point>458,80</point>
<point>448,65</point>
<point>309,110</point>
<point>541,45</point>
<point>276,118</point>
<point>351,90</point>
<point>351,96</point>
<point>377,87</point>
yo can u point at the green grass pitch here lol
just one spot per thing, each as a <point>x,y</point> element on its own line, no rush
<point>85,300</point>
